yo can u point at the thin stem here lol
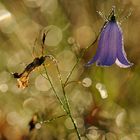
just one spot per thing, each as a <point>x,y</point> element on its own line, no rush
<point>69,113</point>
<point>67,103</point>
<point>53,119</point>
<point>64,85</point>
<point>43,75</point>
<point>78,60</point>
<point>70,82</point>
<point>59,99</point>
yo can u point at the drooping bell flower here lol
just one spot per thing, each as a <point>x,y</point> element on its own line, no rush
<point>110,45</point>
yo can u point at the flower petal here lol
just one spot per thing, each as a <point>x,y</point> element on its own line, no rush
<point>102,38</point>
<point>122,65</point>
<point>109,45</point>
<point>121,55</point>
<point>93,59</point>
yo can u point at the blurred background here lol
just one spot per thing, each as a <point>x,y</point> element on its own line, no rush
<point>105,102</point>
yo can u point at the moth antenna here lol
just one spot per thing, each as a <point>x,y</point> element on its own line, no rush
<point>43,41</point>
<point>42,44</point>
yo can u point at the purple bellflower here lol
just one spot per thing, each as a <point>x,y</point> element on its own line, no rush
<point>110,46</point>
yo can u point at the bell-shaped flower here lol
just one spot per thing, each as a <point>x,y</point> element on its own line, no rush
<point>110,46</point>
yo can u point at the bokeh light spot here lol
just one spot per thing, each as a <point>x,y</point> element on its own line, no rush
<point>71,40</point>
<point>32,104</point>
<point>42,84</point>
<point>66,59</point>
<point>84,36</point>
<point>54,35</point>
<point>110,136</point>
<point>87,82</point>
<point>38,126</point>
<point>49,6</point>
<point>69,124</point>
<point>14,118</point>
<point>121,118</point>
<point>7,21</point>
<point>3,87</point>
<point>102,90</point>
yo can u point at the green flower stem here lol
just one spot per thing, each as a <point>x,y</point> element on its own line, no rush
<point>67,103</point>
<point>70,115</point>
<point>53,119</point>
<point>67,108</point>
<point>57,96</point>
<point>80,58</point>
<point>77,62</point>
